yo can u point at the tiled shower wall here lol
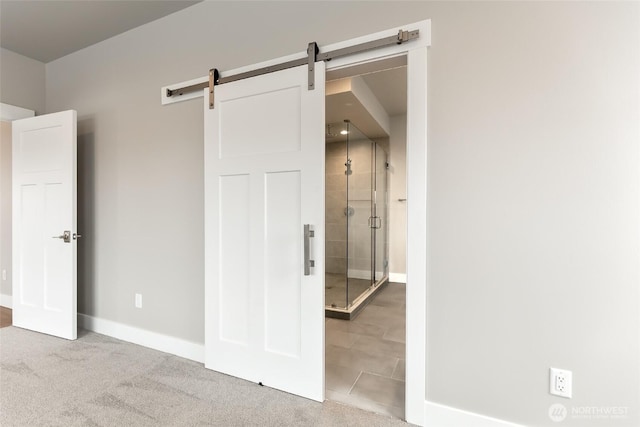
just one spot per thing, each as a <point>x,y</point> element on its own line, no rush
<point>335,202</point>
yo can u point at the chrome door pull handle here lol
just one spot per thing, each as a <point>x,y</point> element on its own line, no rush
<point>308,263</point>
<point>374,222</point>
<point>76,236</point>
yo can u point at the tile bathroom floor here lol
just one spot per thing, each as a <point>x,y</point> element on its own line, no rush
<point>365,357</point>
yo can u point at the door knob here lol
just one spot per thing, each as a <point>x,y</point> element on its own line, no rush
<point>66,236</point>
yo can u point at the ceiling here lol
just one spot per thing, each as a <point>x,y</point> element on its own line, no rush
<point>46,30</point>
<point>390,87</point>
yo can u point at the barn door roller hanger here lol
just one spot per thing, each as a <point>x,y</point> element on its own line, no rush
<point>312,57</point>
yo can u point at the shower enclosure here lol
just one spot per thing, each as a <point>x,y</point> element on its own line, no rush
<point>356,251</point>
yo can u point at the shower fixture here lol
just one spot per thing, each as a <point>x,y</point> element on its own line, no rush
<point>329,134</point>
<point>348,165</point>
<point>336,130</point>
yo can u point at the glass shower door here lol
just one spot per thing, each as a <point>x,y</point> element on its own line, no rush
<point>356,212</point>
<point>359,183</point>
<point>336,187</point>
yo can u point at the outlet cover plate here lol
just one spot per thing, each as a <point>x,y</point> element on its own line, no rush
<point>560,382</point>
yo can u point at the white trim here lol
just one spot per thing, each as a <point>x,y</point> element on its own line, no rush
<point>362,274</point>
<point>437,415</point>
<point>398,277</point>
<point>167,344</point>
<point>164,99</point>
<point>423,40</point>
<point>359,274</point>
<point>6,300</point>
<point>10,113</point>
<point>416,289</point>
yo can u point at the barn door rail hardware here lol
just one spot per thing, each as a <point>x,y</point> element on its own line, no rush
<point>313,56</point>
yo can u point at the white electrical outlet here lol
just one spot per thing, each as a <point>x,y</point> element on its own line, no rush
<point>560,382</point>
<point>4,274</point>
<point>138,300</point>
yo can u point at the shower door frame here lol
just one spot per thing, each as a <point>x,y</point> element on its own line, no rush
<point>354,304</point>
<point>378,204</point>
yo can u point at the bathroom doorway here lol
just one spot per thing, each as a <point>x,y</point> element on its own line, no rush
<point>361,54</point>
<point>365,240</point>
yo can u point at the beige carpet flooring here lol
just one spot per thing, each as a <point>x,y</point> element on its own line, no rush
<point>100,381</point>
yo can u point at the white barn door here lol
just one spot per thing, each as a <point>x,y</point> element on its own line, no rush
<point>264,180</point>
<point>44,224</point>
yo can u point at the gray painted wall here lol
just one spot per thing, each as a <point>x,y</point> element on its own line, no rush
<point>533,184</point>
<point>22,84</point>
<point>22,81</point>
<point>534,208</point>
<point>398,190</point>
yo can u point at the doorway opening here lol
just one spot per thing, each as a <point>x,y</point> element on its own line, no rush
<point>365,240</point>
<point>269,100</point>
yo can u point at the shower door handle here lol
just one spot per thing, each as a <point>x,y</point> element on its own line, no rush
<point>308,263</point>
<point>375,222</point>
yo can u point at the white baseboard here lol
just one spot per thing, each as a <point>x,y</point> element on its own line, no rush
<point>359,274</point>
<point>436,415</point>
<point>362,274</point>
<point>187,349</point>
<point>6,300</point>
<point>398,277</point>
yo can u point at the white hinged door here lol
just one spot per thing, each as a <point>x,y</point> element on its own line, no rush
<point>44,224</point>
